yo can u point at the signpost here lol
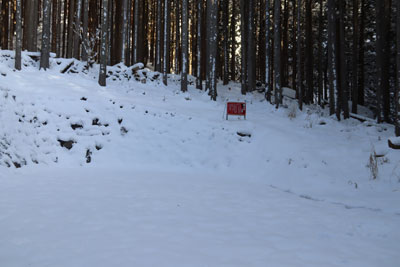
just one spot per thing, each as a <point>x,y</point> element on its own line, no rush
<point>236,108</point>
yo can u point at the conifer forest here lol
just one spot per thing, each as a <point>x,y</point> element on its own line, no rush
<point>192,133</point>
<point>331,52</point>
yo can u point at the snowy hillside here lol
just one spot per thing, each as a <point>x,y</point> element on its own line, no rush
<point>140,174</point>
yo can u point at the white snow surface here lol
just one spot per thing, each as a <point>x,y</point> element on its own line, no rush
<point>171,183</point>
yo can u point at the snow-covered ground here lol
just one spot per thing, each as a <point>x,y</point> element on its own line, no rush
<point>156,177</point>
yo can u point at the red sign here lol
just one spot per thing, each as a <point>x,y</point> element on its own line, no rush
<point>236,108</point>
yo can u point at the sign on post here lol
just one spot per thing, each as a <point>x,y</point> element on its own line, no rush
<point>236,108</point>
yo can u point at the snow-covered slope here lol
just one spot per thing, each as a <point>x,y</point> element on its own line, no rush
<point>141,174</point>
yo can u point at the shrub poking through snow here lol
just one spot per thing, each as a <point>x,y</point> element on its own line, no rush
<point>373,164</point>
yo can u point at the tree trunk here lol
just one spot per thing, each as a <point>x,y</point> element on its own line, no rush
<point>225,29</point>
<point>85,25</point>
<point>103,49</point>
<point>213,47</point>
<point>136,31</point>
<point>299,56</point>
<point>284,46</point>
<point>294,46</point>
<point>361,55</point>
<point>54,26</point>
<point>184,46</point>
<point>4,24</point>
<point>30,25</point>
<point>382,31</point>
<point>343,66</point>
<point>70,28</point>
<point>199,82</point>
<point>332,55</point>
<point>309,55</point>
<point>267,50</point>
<point>277,52</point>
<point>355,58</point>
<point>117,32</point>
<point>233,42</point>
<point>124,30</point>
<point>18,30</point>
<point>244,35</point>
<point>158,39</point>
<point>251,48</point>
<point>177,38</point>
<point>166,41</point>
<point>58,30</point>
<point>45,51</point>
<point>320,55</point>
<point>397,99</point>
<point>65,30</point>
<point>77,28</point>
<point>128,34</point>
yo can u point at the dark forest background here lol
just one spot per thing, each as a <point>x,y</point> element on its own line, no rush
<point>332,52</point>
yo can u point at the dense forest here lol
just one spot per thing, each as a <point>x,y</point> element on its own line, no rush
<point>332,52</point>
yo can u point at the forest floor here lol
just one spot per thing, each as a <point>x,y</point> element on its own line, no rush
<point>140,174</point>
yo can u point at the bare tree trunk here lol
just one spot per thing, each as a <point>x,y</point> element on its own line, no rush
<point>30,25</point>
<point>251,48</point>
<point>136,32</point>
<point>128,34</point>
<point>343,65</point>
<point>4,24</point>
<point>284,46</point>
<point>294,47</point>
<point>184,45</point>
<point>380,56</point>
<point>103,50</point>
<point>124,29</point>
<point>54,26</point>
<point>70,40</point>
<point>309,55</point>
<point>35,32</point>
<point>85,25</point>
<point>299,56</point>
<point>277,52</point>
<point>320,54</point>
<point>268,88</point>
<point>166,41</point>
<point>77,28</point>
<point>18,29</point>
<point>65,30</point>
<point>158,39</point>
<point>110,35</point>
<point>397,99</point>
<point>177,37</point>
<point>45,53</point>
<point>199,82</point>
<point>361,55</point>
<point>233,41</point>
<point>355,58</point>
<point>332,55</point>
<point>213,48</point>
<point>244,35</point>
<point>225,18</point>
